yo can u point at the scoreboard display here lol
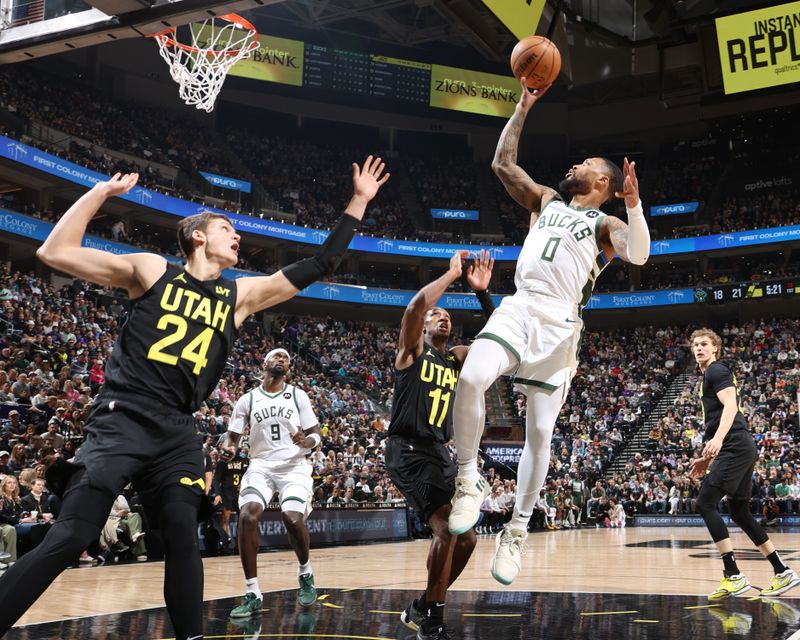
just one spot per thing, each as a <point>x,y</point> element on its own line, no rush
<point>359,74</point>
<point>722,293</point>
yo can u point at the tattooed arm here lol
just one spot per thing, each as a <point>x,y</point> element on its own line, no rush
<point>517,182</point>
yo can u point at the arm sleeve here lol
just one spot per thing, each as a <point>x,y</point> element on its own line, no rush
<point>241,414</point>
<point>719,377</point>
<point>638,236</point>
<point>307,418</point>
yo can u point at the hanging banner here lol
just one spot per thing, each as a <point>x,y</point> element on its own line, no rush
<point>760,48</point>
<point>226,183</point>
<point>473,91</point>
<point>521,17</point>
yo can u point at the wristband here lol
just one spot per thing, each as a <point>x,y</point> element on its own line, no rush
<point>487,305</point>
<point>306,272</point>
<point>316,438</point>
<point>635,211</point>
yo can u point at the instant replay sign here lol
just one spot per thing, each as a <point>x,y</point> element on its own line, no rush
<point>760,48</point>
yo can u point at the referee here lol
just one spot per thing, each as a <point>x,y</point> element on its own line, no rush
<point>731,453</point>
<point>417,459</point>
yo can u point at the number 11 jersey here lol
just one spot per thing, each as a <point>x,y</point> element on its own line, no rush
<point>175,343</point>
<point>423,398</point>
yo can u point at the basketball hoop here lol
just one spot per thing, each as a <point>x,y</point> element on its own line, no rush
<point>201,68</point>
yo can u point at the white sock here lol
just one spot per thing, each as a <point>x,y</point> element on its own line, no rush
<point>252,586</point>
<point>468,469</point>
<point>303,569</point>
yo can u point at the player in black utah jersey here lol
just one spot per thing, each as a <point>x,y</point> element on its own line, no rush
<point>167,360</point>
<point>417,459</point>
<point>227,478</point>
<point>731,453</point>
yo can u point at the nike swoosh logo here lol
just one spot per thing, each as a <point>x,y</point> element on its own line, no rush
<point>573,321</point>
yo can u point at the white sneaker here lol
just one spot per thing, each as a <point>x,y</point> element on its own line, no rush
<point>509,547</point>
<point>466,502</point>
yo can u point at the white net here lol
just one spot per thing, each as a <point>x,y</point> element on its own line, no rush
<point>201,67</point>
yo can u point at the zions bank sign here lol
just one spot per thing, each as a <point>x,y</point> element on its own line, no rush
<point>760,48</point>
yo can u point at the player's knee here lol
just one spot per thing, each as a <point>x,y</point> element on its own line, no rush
<point>249,515</point>
<point>467,541</point>
<point>292,520</point>
<point>178,522</point>
<point>473,379</point>
<point>68,539</point>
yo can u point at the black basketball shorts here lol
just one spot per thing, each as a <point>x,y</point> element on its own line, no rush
<point>133,440</point>
<point>423,471</point>
<point>732,469</point>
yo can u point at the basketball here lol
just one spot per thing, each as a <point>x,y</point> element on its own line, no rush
<point>536,59</point>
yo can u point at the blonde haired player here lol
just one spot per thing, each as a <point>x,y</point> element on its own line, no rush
<point>535,334</point>
<point>283,432</point>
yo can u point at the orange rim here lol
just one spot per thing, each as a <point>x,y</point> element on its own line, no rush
<point>166,36</point>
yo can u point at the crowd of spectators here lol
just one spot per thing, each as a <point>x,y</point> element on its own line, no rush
<point>309,177</point>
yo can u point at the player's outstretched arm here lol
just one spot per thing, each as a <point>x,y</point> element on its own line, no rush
<point>479,275</point>
<point>62,249</point>
<point>409,346</point>
<point>631,241</point>
<point>262,292</point>
<point>517,182</point>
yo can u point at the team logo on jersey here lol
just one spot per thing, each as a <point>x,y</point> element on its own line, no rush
<point>188,482</point>
<point>222,291</point>
<point>592,214</point>
<point>287,395</point>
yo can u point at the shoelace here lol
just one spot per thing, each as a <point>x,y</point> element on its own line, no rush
<point>517,541</point>
<point>463,490</point>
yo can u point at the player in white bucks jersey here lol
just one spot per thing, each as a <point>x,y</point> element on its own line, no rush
<point>283,431</point>
<point>535,333</point>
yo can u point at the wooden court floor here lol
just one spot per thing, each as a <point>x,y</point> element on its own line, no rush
<point>633,577</point>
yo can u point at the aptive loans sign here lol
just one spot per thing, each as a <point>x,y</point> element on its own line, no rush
<point>761,48</point>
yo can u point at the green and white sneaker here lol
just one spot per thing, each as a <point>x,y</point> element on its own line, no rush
<point>308,594</point>
<point>781,582</point>
<point>466,505</point>
<point>250,607</point>
<point>509,547</point>
<point>730,587</point>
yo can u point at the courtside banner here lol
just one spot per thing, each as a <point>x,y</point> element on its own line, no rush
<point>328,526</point>
<point>473,91</point>
<point>673,209</point>
<point>521,17</point>
<point>226,183</point>
<point>760,48</point>
<point>455,214</point>
<point>275,60</point>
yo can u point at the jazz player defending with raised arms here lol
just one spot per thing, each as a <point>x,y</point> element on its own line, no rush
<point>167,359</point>
<point>732,453</point>
<point>535,334</point>
<point>417,459</point>
<point>283,432</point>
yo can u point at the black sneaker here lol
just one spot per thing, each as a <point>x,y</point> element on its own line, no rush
<point>440,632</point>
<point>412,617</point>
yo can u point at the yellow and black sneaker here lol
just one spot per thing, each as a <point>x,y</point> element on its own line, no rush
<point>729,587</point>
<point>781,582</point>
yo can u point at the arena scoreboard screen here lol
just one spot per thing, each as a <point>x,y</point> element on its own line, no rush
<point>722,293</point>
<point>331,69</point>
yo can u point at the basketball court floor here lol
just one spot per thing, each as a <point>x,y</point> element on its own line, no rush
<point>643,583</point>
